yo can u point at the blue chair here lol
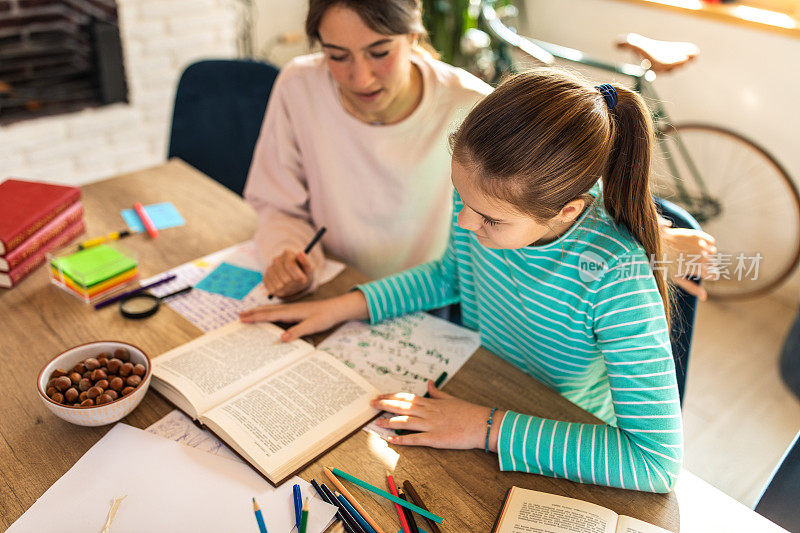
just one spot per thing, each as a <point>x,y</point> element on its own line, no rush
<point>219,108</point>
<point>684,305</point>
<point>779,501</point>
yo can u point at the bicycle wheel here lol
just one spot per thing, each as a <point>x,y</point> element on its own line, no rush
<point>739,194</point>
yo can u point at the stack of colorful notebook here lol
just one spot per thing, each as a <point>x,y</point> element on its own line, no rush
<point>95,272</point>
<point>35,218</point>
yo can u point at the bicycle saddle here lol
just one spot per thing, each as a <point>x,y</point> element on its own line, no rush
<point>662,55</point>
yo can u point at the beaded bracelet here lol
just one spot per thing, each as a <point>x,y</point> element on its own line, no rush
<point>489,428</point>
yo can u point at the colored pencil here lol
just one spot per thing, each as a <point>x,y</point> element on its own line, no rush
<point>355,514</point>
<point>412,524</point>
<point>350,520</point>
<point>118,297</point>
<point>303,518</point>
<point>262,527</point>
<point>391,497</point>
<point>325,498</point>
<point>413,496</point>
<point>146,222</point>
<point>400,514</point>
<point>298,505</point>
<point>352,500</point>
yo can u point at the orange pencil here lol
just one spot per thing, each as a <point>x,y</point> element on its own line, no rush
<point>351,499</point>
<point>400,514</point>
<point>148,224</point>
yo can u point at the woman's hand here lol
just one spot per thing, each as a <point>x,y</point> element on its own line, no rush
<point>690,253</point>
<point>311,317</point>
<point>443,421</point>
<point>289,274</point>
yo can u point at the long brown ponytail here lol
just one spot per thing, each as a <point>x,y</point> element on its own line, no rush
<point>626,181</point>
<point>544,137</point>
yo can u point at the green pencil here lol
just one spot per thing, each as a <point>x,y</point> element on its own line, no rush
<point>388,496</point>
<point>304,518</point>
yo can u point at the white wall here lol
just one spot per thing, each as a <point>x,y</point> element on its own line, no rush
<point>159,39</point>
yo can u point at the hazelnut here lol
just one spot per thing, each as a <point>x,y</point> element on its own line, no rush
<point>91,363</point>
<point>113,365</point>
<point>63,383</point>
<point>57,373</point>
<point>57,397</point>
<point>71,394</point>
<point>99,374</point>
<point>94,392</point>
<point>112,394</point>
<point>85,384</point>
<point>103,398</point>
<point>139,370</point>
<point>88,402</point>
<point>51,383</point>
<point>103,361</point>
<point>133,381</point>
<point>125,370</point>
<point>50,391</point>
<point>122,354</point>
<point>116,384</point>
<point>80,368</point>
<point>128,390</point>
<point>75,378</point>
<point>103,384</point>
<point>87,374</point>
<point>82,396</point>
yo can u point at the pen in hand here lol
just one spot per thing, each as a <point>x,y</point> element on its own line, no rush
<point>309,246</point>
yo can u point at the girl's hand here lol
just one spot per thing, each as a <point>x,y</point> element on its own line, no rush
<point>311,317</point>
<point>289,274</point>
<point>443,421</point>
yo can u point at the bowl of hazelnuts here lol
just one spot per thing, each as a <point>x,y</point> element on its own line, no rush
<point>95,384</point>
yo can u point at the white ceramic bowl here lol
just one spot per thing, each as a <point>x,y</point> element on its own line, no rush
<point>96,415</point>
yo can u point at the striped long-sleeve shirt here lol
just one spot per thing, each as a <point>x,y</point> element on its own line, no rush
<point>583,315</point>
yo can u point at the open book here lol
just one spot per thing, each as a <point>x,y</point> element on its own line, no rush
<point>279,405</point>
<point>531,511</point>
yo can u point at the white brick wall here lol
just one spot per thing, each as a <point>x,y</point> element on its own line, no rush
<point>159,39</point>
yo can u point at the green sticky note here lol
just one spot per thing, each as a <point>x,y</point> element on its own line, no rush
<point>93,265</point>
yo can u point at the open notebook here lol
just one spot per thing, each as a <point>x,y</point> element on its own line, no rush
<point>279,405</point>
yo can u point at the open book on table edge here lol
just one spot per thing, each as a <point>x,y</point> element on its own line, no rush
<point>207,412</point>
<point>505,523</point>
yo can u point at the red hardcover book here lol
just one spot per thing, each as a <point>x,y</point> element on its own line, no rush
<point>30,245</point>
<point>9,279</point>
<point>26,206</point>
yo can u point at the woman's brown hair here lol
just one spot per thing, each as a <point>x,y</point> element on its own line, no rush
<point>387,17</point>
<point>544,137</point>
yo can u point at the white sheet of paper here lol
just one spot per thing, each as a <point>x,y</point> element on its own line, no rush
<point>210,311</point>
<point>403,353</point>
<point>168,487</point>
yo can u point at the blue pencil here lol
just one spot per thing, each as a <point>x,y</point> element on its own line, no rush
<point>351,521</point>
<point>262,527</point>
<point>298,505</point>
<point>339,513</point>
<point>356,514</point>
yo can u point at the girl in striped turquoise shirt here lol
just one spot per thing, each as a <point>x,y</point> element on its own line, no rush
<point>552,269</point>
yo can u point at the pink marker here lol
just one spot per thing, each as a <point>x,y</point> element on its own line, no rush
<point>148,224</point>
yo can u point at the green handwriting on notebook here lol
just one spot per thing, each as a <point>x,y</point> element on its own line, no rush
<point>93,265</point>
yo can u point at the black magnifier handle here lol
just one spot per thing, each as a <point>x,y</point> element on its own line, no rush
<point>180,291</point>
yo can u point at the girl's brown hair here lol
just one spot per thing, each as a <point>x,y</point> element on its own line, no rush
<point>387,17</point>
<point>544,137</point>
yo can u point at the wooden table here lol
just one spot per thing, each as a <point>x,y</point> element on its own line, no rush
<point>36,448</point>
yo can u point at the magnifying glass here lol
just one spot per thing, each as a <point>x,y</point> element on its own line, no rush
<point>144,304</point>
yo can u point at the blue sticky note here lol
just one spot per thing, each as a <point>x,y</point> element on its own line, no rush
<point>163,215</point>
<point>230,280</point>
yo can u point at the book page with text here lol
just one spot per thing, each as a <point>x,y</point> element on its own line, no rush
<point>287,419</point>
<point>226,361</point>
<point>530,511</point>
